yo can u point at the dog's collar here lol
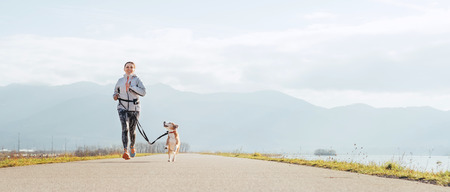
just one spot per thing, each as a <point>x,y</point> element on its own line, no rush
<point>173,132</point>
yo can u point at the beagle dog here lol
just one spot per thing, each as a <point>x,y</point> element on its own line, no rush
<point>173,140</point>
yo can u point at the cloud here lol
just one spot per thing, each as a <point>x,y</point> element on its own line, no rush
<point>402,54</point>
<point>310,57</point>
<point>429,6</point>
<point>320,15</point>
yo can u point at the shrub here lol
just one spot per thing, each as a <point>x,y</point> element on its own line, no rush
<point>257,155</point>
<point>325,152</point>
<point>392,166</point>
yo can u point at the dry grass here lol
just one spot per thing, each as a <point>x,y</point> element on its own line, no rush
<point>24,161</point>
<point>389,169</point>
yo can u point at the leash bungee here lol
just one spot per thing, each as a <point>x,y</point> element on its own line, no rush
<point>158,138</point>
<point>138,125</point>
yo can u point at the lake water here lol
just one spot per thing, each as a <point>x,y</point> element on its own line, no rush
<point>419,163</point>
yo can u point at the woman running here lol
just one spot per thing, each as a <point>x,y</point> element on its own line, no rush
<point>127,91</point>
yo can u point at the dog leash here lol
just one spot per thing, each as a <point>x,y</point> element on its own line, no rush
<point>138,125</point>
<point>141,130</point>
<point>158,138</point>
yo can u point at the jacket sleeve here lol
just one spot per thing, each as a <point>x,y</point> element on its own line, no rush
<point>139,88</point>
<point>116,89</point>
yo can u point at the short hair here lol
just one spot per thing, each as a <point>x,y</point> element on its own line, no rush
<point>129,62</point>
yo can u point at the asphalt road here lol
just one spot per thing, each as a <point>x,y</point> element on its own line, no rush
<point>194,172</point>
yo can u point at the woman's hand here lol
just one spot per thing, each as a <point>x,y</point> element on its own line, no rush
<point>116,97</point>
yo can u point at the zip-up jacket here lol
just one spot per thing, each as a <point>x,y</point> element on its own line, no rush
<point>129,99</point>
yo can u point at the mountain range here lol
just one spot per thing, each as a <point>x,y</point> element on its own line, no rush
<point>84,113</point>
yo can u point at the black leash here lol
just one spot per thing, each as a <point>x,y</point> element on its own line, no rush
<point>158,138</point>
<point>141,130</point>
<point>138,125</point>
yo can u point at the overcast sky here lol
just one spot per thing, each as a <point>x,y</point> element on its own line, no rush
<point>385,53</point>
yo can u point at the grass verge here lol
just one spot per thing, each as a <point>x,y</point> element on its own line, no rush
<point>24,161</point>
<point>389,169</point>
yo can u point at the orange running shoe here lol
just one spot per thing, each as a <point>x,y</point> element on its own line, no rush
<point>125,155</point>
<point>132,151</point>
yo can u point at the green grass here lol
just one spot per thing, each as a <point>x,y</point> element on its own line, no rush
<point>388,169</point>
<point>24,161</point>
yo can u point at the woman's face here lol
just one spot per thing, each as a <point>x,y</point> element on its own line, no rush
<point>129,68</point>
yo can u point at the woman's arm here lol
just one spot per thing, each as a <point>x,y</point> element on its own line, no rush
<point>116,91</point>
<point>139,88</point>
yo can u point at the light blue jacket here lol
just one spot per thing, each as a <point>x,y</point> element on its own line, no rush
<point>136,89</point>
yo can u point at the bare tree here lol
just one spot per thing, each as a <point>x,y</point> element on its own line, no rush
<point>184,147</point>
<point>159,147</point>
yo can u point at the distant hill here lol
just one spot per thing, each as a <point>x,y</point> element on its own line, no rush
<point>264,121</point>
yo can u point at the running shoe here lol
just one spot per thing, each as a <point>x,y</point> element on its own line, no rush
<point>132,151</point>
<point>125,155</point>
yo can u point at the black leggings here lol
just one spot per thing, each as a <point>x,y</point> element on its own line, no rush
<point>129,121</point>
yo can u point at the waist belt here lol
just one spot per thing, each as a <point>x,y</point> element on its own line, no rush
<point>134,101</point>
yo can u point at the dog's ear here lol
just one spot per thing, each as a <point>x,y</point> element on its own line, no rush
<point>164,124</point>
<point>175,125</point>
